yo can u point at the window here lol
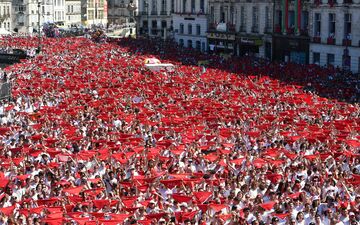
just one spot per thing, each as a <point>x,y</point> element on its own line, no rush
<point>181,42</point>
<point>330,59</point>
<point>193,6</point>
<point>145,6</point>
<point>255,18</point>
<point>198,45</point>
<point>332,24</point>
<point>163,24</point>
<point>198,29</point>
<point>189,44</point>
<point>316,58</point>
<point>154,7</point>
<point>347,26</point>
<point>242,18</point>
<point>184,6</point>
<point>267,18</point>
<point>181,29</point>
<point>189,29</point>
<point>317,25</point>
<point>212,17</point>
<point>172,6</point>
<point>232,15</point>
<point>222,15</point>
<point>202,6</point>
<point>163,5</point>
<point>154,24</point>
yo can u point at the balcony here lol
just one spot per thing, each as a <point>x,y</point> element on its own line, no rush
<point>317,39</point>
<point>255,29</point>
<point>331,41</point>
<point>346,42</point>
<point>163,13</point>
<point>154,13</point>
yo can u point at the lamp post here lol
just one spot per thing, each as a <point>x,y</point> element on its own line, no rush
<point>39,27</point>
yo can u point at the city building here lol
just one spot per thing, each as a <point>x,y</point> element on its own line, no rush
<point>155,18</point>
<point>335,33</point>
<point>59,12</point>
<point>5,15</point>
<point>291,37</point>
<point>121,12</point>
<point>241,27</point>
<point>73,13</point>
<point>94,12</point>
<point>28,15</point>
<point>190,23</point>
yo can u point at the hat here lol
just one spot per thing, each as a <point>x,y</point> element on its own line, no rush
<point>183,204</point>
<point>351,214</point>
<point>162,220</point>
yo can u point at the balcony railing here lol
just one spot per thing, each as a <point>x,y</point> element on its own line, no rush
<point>317,39</point>
<point>346,42</point>
<point>331,41</point>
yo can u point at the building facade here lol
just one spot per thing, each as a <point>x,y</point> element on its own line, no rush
<point>121,11</point>
<point>190,23</point>
<point>241,27</point>
<point>335,33</point>
<point>73,13</point>
<point>291,31</point>
<point>94,12</point>
<point>155,18</point>
<point>59,11</point>
<point>6,15</point>
<point>29,14</point>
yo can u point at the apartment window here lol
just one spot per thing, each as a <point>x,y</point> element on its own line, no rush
<point>181,42</point>
<point>332,24</point>
<point>101,14</point>
<point>172,6</point>
<point>316,58</point>
<point>184,6</point>
<point>163,24</point>
<point>154,6</point>
<point>232,15</point>
<point>145,6</point>
<point>330,59</point>
<point>163,5</point>
<point>255,18</point>
<point>317,24</point>
<point>242,17</point>
<point>198,45</point>
<point>181,29</point>
<point>212,13</point>
<point>267,17</point>
<point>154,24</point>
<point>190,44</point>
<point>222,15</point>
<point>347,26</point>
<point>189,29</point>
<point>193,6</point>
<point>198,29</point>
<point>202,6</point>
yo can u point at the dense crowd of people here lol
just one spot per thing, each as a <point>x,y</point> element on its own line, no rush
<point>90,136</point>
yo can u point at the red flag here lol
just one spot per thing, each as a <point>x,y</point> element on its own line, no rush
<point>202,196</point>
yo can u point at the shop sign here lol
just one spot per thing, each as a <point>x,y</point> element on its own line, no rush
<point>250,41</point>
<point>222,36</point>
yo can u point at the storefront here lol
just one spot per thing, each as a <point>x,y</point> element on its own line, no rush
<point>291,49</point>
<point>248,45</point>
<point>221,42</point>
